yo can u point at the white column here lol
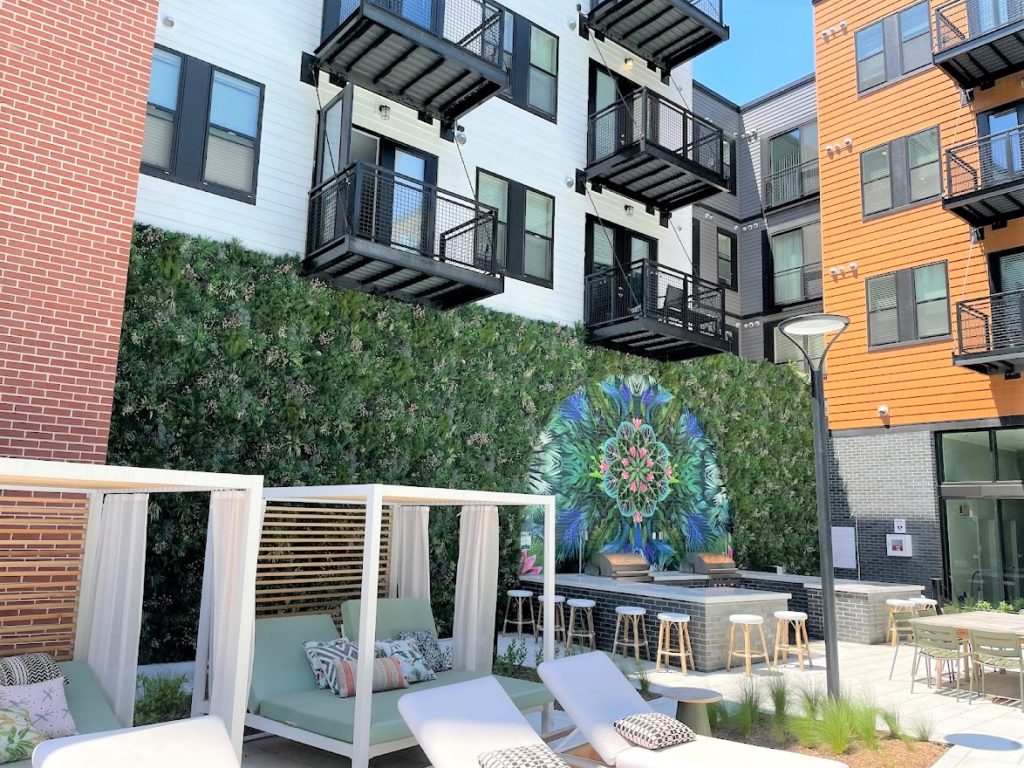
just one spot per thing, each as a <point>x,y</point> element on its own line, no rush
<point>550,513</point>
<point>367,628</point>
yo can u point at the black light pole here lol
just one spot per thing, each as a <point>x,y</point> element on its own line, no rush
<point>799,330</point>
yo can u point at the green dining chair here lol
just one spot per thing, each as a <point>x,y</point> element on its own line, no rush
<point>904,635</point>
<point>998,650</point>
<point>941,644</point>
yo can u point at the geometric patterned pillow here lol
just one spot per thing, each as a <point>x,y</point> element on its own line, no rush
<point>17,736</point>
<point>46,703</point>
<point>653,730</point>
<point>28,668</point>
<point>427,645</point>
<point>533,756</point>
<point>387,676</point>
<point>323,654</point>
<point>414,667</point>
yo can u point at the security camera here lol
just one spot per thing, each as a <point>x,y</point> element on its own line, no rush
<point>883,411</point>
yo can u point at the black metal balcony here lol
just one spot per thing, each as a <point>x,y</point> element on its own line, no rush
<point>377,231</point>
<point>791,185</point>
<point>651,310</point>
<point>666,33</point>
<point>440,57</point>
<point>985,179</point>
<point>979,41</point>
<point>652,150</point>
<point>990,333</point>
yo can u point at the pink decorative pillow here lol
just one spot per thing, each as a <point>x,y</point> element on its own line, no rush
<point>387,676</point>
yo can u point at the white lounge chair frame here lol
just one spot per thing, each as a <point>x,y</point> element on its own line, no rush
<point>374,498</point>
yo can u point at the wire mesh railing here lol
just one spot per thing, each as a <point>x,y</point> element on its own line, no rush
<point>987,162</point>
<point>711,8</point>
<point>645,115</point>
<point>646,289</point>
<point>384,207</point>
<point>474,25</point>
<point>790,184</point>
<point>960,21</point>
<point>990,323</point>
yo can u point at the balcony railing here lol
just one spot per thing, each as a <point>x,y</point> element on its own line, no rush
<point>990,333</point>
<point>979,41</point>
<point>380,230</point>
<point>792,184</point>
<point>649,309</point>
<point>797,285</point>
<point>985,178</point>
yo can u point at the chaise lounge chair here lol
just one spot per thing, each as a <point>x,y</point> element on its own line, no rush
<point>595,694</point>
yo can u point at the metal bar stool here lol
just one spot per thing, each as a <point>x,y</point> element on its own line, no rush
<point>801,645</point>
<point>682,649</point>
<point>585,610</point>
<point>559,625</point>
<point>521,597</point>
<point>633,623</point>
<point>747,621</point>
<point>895,605</point>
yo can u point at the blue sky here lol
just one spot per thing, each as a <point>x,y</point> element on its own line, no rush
<point>766,49</point>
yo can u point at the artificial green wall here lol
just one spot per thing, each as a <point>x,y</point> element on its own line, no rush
<point>232,361</point>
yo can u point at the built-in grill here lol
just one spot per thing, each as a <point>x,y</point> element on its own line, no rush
<point>622,566</point>
<point>714,566</point>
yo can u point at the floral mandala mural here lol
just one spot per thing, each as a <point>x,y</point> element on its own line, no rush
<point>632,471</point>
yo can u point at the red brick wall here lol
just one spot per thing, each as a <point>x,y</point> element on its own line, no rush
<point>73,82</point>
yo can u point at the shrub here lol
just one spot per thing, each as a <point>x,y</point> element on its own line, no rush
<point>748,708</point>
<point>163,699</point>
<point>837,725</point>
<point>778,692</point>
<point>865,723</point>
<point>921,729</point>
<point>812,696</point>
<point>893,722</point>
<point>805,730</point>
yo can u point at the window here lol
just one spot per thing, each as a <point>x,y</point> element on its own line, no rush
<point>785,350</point>
<point>796,265</point>
<point>896,46</point>
<point>903,172</point>
<point>727,259</point>
<point>909,305</point>
<point>531,54</point>
<point>202,126</point>
<point>526,227</point>
<point>609,244</point>
<point>793,167</point>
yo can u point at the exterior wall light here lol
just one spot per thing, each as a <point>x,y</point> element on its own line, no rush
<point>385,112</point>
<point>629,210</point>
<point>628,64</point>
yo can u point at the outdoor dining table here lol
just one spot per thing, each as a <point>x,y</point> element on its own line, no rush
<point>979,621</point>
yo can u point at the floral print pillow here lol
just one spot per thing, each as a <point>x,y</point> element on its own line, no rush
<point>17,736</point>
<point>428,645</point>
<point>46,703</point>
<point>414,667</point>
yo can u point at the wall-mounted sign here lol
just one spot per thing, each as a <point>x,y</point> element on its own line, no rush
<point>844,547</point>
<point>899,545</point>
<point>899,525</point>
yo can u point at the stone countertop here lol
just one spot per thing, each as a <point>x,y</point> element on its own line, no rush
<point>842,585</point>
<point>701,595</point>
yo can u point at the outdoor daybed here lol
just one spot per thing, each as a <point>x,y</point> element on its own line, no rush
<point>285,700</point>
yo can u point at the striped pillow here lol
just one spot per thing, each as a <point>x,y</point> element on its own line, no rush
<point>387,676</point>
<point>29,668</point>
<point>322,654</point>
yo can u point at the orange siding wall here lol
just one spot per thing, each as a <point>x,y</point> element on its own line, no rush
<point>919,382</point>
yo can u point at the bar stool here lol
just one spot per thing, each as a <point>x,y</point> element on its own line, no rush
<point>682,649</point>
<point>747,621</point>
<point>520,596</point>
<point>895,605</point>
<point>632,621</point>
<point>924,602</point>
<point>559,626</point>
<point>797,621</point>
<point>585,610</point>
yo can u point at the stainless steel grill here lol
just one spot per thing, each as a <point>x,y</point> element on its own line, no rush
<point>710,564</point>
<point>622,566</point>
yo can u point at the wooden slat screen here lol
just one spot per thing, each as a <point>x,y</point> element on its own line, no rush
<point>311,558</point>
<point>42,537</point>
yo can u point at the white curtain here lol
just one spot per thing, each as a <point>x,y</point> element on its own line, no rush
<point>476,589</point>
<point>110,613</point>
<point>410,552</point>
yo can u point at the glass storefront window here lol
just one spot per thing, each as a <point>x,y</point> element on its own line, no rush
<point>1010,453</point>
<point>986,549</point>
<point>966,457</point>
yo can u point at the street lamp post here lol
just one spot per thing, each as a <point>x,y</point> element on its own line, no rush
<point>799,330</point>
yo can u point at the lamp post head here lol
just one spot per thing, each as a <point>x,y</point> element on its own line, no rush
<point>799,329</point>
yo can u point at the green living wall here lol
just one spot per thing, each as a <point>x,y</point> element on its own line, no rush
<point>232,361</point>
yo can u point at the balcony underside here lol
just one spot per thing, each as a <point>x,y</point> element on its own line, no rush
<point>400,60</point>
<point>370,267</point>
<point>979,62</point>
<point>657,339</point>
<point>994,205</point>
<point>656,177</point>
<point>1009,361</point>
<point>666,33</point>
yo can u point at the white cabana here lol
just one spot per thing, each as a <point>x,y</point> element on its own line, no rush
<point>110,595</point>
<point>476,577</point>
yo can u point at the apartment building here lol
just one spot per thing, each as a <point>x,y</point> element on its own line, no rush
<point>761,240</point>
<point>922,185</point>
<point>531,157</point>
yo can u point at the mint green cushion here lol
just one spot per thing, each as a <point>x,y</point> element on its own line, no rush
<point>279,663</point>
<point>321,712</point>
<point>394,615</point>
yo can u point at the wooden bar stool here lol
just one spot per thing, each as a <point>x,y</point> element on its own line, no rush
<point>801,646</point>
<point>924,603</point>
<point>520,597</point>
<point>895,605</point>
<point>585,610</point>
<point>559,626</point>
<point>632,621</point>
<point>682,649</point>
<point>747,621</point>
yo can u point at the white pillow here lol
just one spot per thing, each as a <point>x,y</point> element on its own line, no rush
<point>46,704</point>
<point>532,756</point>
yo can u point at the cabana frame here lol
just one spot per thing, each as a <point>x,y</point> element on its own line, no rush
<point>97,481</point>
<point>374,498</point>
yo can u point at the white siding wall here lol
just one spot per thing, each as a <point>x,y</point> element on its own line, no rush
<point>264,41</point>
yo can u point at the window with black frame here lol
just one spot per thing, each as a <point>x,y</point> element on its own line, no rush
<point>531,57</point>
<point>908,306</point>
<point>894,47</point>
<point>526,227</point>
